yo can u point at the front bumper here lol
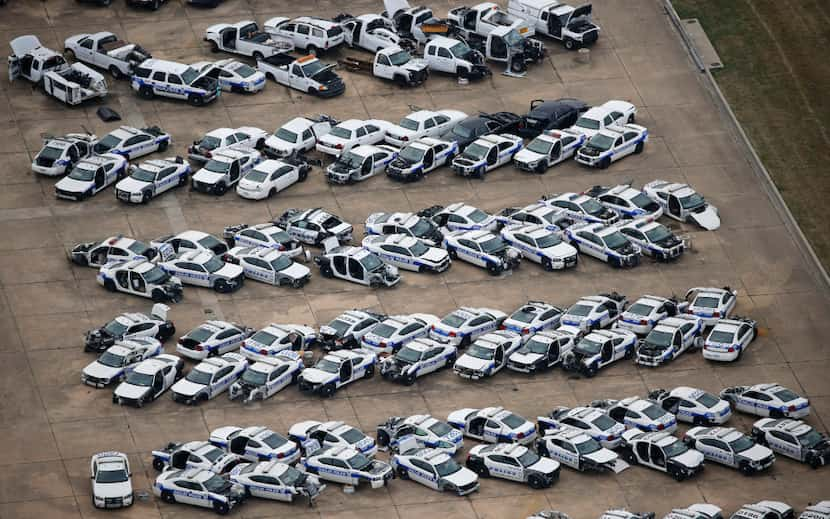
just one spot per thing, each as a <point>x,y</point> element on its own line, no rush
<point>331,90</point>
<point>68,195</point>
<point>126,196</point>
<point>95,381</point>
<point>202,187</point>
<point>527,166</point>
<point>184,399</point>
<point>469,373</point>
<point>522,368</point>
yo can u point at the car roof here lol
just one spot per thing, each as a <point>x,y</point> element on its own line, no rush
<point>220,132</point>
<point>164,65</point>
<point>195,256</point>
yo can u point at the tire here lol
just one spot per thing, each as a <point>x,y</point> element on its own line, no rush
<point>158,296</point>
<point>400,81</point>
<point>272,192</point>
<point>166,333</point>
<point>409,379</point>
<point>570,44</point>
<point>303,175</point>
<point>517,67</point>
<point>168,496</point>
<point>163,146</point>
<point>158,464</point>
<point>591,372</point>
<point>195,100</point>
<point>109,285</point>
<point>537,482</point>
<point>465,341</point>
<point>327,391</point>
<point>258,56</point>
<point>145,198</point>
<point>220,508</point>
<point>183,180</point>
<point>297,283</point>
<point>115,72</point>
<point>493,270</point>
<point>775,413</point>
<point>370,371</point>
<point>814,462</point>
<point>547,265</point>
<point>605,163</point>
<point>220,189</point>
<point>402,473</point>
<point>146,92</point>
<point>69,52</point>
<point>677,475</point>
<point>156,5</point>
<point>221,286</point>
<point>271,77</point>
<point>746,469</point>
<point>383,438</point>
<point>639,147</point>
<point>453,254</point>
<point>479,468</point>
<point>214,47</point>
<point>326,271</point>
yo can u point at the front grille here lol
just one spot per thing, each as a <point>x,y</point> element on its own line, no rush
<point>570,262</point>
<point>122,195</point>
<point>468,486</point>
<point>94,380</point>
<point>113,501</point>
<point>202,186</point>
<point>66,194</point>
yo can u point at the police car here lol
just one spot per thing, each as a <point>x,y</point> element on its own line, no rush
<point>360,163</point>
<point>420,157</point>
<point>513,462</point>
<point>729,447</point>
<point>336,369</point>
<point>653,239</point>
<point>266,377</point>
<point>593,421</point>
<point>820,510</point>
<point>487,355</point>
<point>493,425</point>
<point>148,380</point>
<point>466,324</point>
<point>459,216</point>
<point>417,358</point>
<point>194,455</point>
<point>209,379</point>
<point>255,443</point>
<point>193,240</point>
<point>635,412</point>
<point>97,254</point>
<point>647,311</point>
<point>111,477</point>
<point>435,469</point>
<point>772,400</point>
<point>574,448</point>
<point>605,243</point>
<point>346,330</point>
<point>765,510</point>
<point>59,154</point>
<point>541,245</point>
<point>357,265</point>
<point>486,153</point>
<point>626,514</point>
<point>581,207</point>
<point>118,360</point>
<point>532,317</point>
<point>224,169</point>
<point>141,278</point>
<point>612,144</point>
<point>696,511</point>
<point>693,405</point>
<point>348,466</point>
<point>551,218</point>
<point>662,452</point>
<point>276,480</point>
<point>423,123</point>
<point>151,179</point>
<point>198,487</point>
<point>212,338</point>
<point>90,176</point>
<point>541,351</point>
<point>333,434</point>
<point>408,224</point>
<point>610,113</point>
<point>711,304</point>
<point>729,338</point>
<point>268,235</point>
<point>276,338</point>
<point>681,202</point>
<point>234,76</point>
<point>132,143</point>
<point>594,312</point>
<point>669,339</point>
<point>313,226</point>
<point>484,249</point>
<point>268,265</point>
<point>548,149</point>
<point>214,140</point>
<point>204,269</point>
<point>351,133</point>
<point>627,202</point>
<point>408,253</point>
<point>269,177</point>
<point>424,429</point>
<point>395,331</point>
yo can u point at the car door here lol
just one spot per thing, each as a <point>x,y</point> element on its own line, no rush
<point>278,379</point>
<point>257,269</point>
<point>137,145</point>
<point>470,250</point>
<point>430,361</point>
<point>492,430</point>
<point>756,402</point>
<point>442,59</point>
<point>717,450</point>
<point>674,207</point>
<point>137,284</point>
<point>564,452</point>
<point>188,492</point>
<point>221,380</point>
<point>785,443</point>
<point>346,373</point>
<point>506,467</point>
<point>356,271</point>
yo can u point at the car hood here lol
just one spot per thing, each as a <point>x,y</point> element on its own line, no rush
<point>317,376</point>
<point>435,255</point>
<point>756,452</point>
<point>415,65</point>
<point>296,271</point>
<point>525,358</point>
<point>229,270</point>
<point>561,250</point>
<point>691,458</point>
<point>279,144</point>
<point>132,185</point>
<point>72,185</point>
<point>106,490</point>
<point>469,362</point>
<point>526,155</point>
<point>125,390</point>
<point>602,456</point>
<point>462,477</point>
<point>544,465</point>
<point>98,370</point>
<point>209,177</point>
<point>708,218</point>
<point>187,388</point>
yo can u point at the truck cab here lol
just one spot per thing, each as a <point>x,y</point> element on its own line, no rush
<point>455,57</point>
<point>410,22</point>
<point>31,60</point>
<point>484,18</point>
<point>570,25</point>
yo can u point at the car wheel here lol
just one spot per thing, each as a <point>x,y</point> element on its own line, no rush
<point>221,286</point>
<point>109,285</point>
<point>168,496</point>
<point>746,469</point>
<point>326,271</point>
<point>570,44</point>
<point>453,254</point>
<point>370,371</point>
<point>182,180</point>
<point>158,296</point>
<point>547,265</point>
<point>605,163</point>
<point>220,508</point>
<point>156,5</point>
<point>591,371</point>
<point>402,473</point>
<point>158,464</point>
<point>813,461</point>
<point>145,197</point>
<point>676,474</point>
<point>639,147</point>
<point>297,283</point>
<point>327,390</point>
<point>303,174</point>
<point>409,379</point>
<point>146,92</point>
<point>258,56</point>
<point>493,270</point>
<point>115,72</point>
<point>272,192</point>
<point>195,100</point>
<point>775,413</point>
<point>479,468</point>
<point>220,189</point>
<point>536,481</point>
<point>214,47</point>
<point>163,146</point>
<point>166,332</point>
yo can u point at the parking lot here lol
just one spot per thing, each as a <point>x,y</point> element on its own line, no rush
<point>50,424</point>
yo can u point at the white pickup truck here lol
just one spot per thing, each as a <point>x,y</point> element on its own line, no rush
<point>105,51</point>
<point>307,74</point>
<point>370,32</point>
<point>247,39</point>
<point>392,63</point>
<point>482,19</point>
<point>570,25</point>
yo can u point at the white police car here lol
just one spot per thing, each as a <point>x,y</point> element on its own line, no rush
<point>594,312</point>
<point>224,169</point>
<point>346,330</point>
<point>350,133</point>
<point>484,249</point>
<point>269,266</point>
<point>132,143</point>
<point>610,113</point>
<point>131,325</point>
<point>97,254</point>
<point>459,216</point>
<point>204,269</point>
<point>591,420</point>
<point>605,243</point>
<point>627,201</point>
<point>151,179</point>
<point>111,477</point>
<point>193,240</point>
<point>662,452</point>
<point>266,377</point>
<point>548,149</point>
<point>336,369</point>
<point>486,153</point>
<point>198,487</point>
<point>424,429</point>
<point>408,253</point>
<point>435,469</point>
<point>581,207</point>
<point>212,338</point>
<point>532,317</point>
<point>772,400</point>
<point>276,480</point>
<point>711,304</point>
<point>395,331</point>
<point>269,235</point>
<point>333,434</point>
<point>348,466</point>
<point>647,311</point>
<point>574,448</point>
<point>765,510</point>
<point>487,355</point>
<point>693,405</point>
<point>466,324</point>
<point>729,447</point>
<point>635,412</point>
<point>141,278</point>
<point>540,245</point>
<point>214,140</point>
<point>118,360</point>
<point>542,350</point>
<point>360,163</point>
<point>313,226</point>
<point>820,510</point>
<point>515,463</point>
<point>404,223</point>
<point>696,511</point>
<point>681,202</point>
<point>670,338</point>
<point>794,439</point>
<point>209,379</point>
<point>626,514</point>
<point>417,358</point>
<point>194,455</point>
<point>420,157</point>
<point>551,218</point>
<point>423,123</point>
<point>59,154</point>
<point>90,176</point>
<point>493,425</point>
<point>148,380</point>
<point>612,144</point>
<point>276,338</point>
<point>653,239</point>
<point>255,443</point>
<point>729,338</point>
<point>270,176</point>
<point>234,76</point>
<point>357,265</point>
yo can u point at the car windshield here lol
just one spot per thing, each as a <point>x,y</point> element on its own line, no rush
<point>592,206</point>
<point>279,236</point>
<point>640,309</point>
<point>408,355</point>
<point>209,142</point>
<point>115,328</point>
<point>50,152</point>
<point>579,310</point>
<point>459,49</point>
<point>274,440</point>
<point>604,422</point>
<point>523,316</point>
<point>139,379</point>
<point>384,330</point>
<point>615,240</point>
<point>540,146</point>
<point>213,454</point>
<point>82,174</point>
<point>142,175</point>
<point>156,276</point>
<point>641,200</point>
<point>359,462</point>
<point>282,262</point>
<point>217,166</point>
<point>480,352</point>
<point>675,449</point>
<point>585,122</point>
<point>286,135</point>
<point>785,395</point>
<point>217,484</point>
<point>263,337</point>
<point>371,263</point>
<point>198,376</point>
<point>400,58</point>
<point>493,245</point>
<point>291,476</point>
<point>422,227</point>
<point>327,366</point>
<point>707,301</point>
<point>477,216</point>
<point>189,75</point>
<point>462,131</point>
<point>721,336</point>
<point>445,468</point>
<point>659,338</point>
<point>210,242</point>
<point>454,320</point>
<point>256,176</point>
<point>409,124</point>
<point>601,142</point>
<point>534,346</point>
<point>412,154</point>
<point>589,446</point>
<point>475,151</point>
<point>254,378</point>
<point>111,359</point>
<point>138,248</point>
<point>742,443</point>
<point>692,201</point>
<point>708,400</point>
<point>340,327</point>
<point>528,458</point>
<point>589,346</point>
<point>245,70</point>
<point>810,439</point>
<point>440,428</point>
<point>107,143</point>
<point>350,160</point>
<point>551,240</point>
<point>312,68</point>
<point>653,411</point>
<point>353,436</point>
<point>340,132</point>
<point>111,476</point>
<point>513,421</point>
<point>213,264</point>
<point>513,39</point>
<point>659,233</point>
<point>200,334</point>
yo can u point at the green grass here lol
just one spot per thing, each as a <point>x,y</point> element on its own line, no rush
<point>776,76</point>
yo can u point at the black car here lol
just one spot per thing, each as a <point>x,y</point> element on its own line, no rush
<point>551,115</point>
<point>475,126</point>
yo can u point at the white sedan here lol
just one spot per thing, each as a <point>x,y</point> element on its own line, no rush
<point>90,176</point>
<point>209,379</point>
<point>269,177</point>
<point>350,133</point>
<point>276,480</point>
<point>203,269</point>
<point>772,400</point>
<point>423,123</point>
<point>269,266</point>
<point>111,480</point>
<point>408,253</point>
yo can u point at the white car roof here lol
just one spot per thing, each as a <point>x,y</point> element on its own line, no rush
<point>195,256</point>
<point>164,66</point>
<point>298,124</point>
<point>220,133</point>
